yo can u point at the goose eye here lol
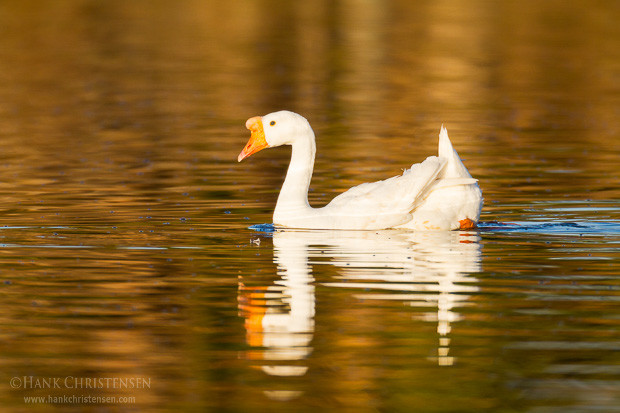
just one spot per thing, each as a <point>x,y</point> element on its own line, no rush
<point>273,122</point>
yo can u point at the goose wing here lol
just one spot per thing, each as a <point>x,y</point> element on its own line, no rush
<point>386,203</point>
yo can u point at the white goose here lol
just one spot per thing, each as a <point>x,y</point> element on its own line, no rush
<point>437,194</point>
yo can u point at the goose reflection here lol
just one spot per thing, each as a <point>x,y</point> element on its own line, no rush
<point>280,317</point>
<point>423,269</point>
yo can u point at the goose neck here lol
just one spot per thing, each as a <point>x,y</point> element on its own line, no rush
<point>294,192</point>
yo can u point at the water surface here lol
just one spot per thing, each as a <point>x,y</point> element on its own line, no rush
<point>131,243</point>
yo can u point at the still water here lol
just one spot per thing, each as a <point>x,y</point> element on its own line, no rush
<point>134,259</point>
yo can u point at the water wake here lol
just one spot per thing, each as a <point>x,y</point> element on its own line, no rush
<point>561,227</point>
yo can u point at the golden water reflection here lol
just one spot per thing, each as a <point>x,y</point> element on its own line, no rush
<point>124,224</point>
<point>431,270</point>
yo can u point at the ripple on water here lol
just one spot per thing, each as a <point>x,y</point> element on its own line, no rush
<point>560,228</point>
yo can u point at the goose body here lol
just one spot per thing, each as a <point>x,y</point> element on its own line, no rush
<point>436,194</point>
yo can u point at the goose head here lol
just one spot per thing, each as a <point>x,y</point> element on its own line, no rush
<point>274,129</point>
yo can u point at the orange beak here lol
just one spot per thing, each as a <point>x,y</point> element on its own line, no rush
<point>257,140</point>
